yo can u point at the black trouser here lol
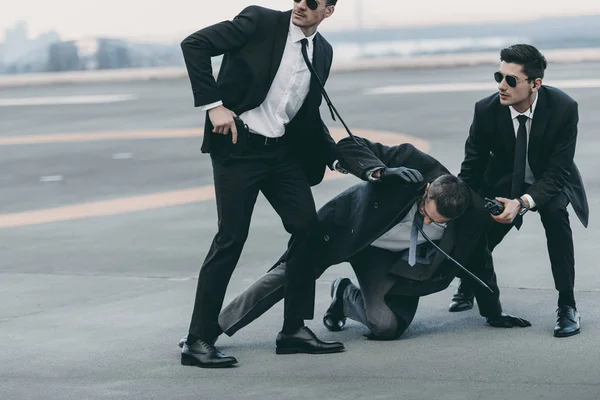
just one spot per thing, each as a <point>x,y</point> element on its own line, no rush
<point>238,178</point>
<point>559,238</point>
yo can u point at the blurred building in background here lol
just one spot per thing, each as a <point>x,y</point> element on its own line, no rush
<point>48,53</point>
<point>88,54</point>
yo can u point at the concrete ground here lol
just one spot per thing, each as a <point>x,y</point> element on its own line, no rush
<point>102,237</point>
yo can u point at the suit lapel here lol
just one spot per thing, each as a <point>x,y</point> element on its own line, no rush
<point>318,62</point>
<point>538,126</point>
<point>506,128</point>
<point>281,34</point>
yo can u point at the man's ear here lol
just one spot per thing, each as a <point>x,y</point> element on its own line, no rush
<point>329,10</point>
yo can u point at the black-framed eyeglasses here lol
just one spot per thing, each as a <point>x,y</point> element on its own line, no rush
<point>512,81</point>
<point>424,213</point>
<point>312,4</point>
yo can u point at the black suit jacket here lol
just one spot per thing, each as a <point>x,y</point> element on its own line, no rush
<point>252,46</point>
<point>355,218</point>
<point>490,148</point>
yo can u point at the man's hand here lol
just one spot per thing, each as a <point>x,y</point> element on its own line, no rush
<point>508,321</point>
<point>406,174</point>
<point>223,121</point>
<point>511,210</point>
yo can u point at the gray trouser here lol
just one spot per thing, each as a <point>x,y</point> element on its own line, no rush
<point>254,301</point>
<point>366,304</point>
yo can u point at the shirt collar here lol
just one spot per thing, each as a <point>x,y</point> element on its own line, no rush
<point>529,114</point>
<point>297,34</point>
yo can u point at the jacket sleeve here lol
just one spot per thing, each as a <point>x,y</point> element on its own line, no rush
<point>477,155</point>
<point>555,177</point>
<point>329,142</point>
<point>215,40</point>
<point>366,156</point>
<point>329,146</point>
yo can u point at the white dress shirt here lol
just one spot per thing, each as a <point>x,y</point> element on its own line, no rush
<point>287,92</point>
<point>529,178</point>
<point>398,237</point>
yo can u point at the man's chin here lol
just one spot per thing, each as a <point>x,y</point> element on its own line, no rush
<point>299,22</point>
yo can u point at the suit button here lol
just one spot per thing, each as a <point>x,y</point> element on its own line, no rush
<point>376,205</point>
<point>326,238</point>
<point>351,231</point>
<point>360,164</point>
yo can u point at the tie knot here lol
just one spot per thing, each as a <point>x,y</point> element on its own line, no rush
<point>522,119</point>
<point>304,42</point>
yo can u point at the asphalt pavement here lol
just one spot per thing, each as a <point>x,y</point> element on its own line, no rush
<point>102,237</point>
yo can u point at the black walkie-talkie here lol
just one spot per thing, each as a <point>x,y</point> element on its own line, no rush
<point>493,206</point>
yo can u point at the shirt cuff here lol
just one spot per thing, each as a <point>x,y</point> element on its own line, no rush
<point>207,107</point>
<point>370,176</point>
<point>530,200</point>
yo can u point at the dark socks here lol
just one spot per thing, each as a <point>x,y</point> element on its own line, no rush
<point>566,298</point>
<point>192,338</point>
<point>291,325</point>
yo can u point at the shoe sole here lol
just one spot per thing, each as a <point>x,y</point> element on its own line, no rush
<point>335,328</point>
<point>459,309</point>
<point>281,351</point>
<point>192,362</point>
<point>560,335</point>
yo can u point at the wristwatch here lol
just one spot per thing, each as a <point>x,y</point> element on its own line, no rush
<point>524,208</point>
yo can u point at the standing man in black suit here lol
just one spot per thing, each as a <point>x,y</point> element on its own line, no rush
<point>373,225</point>
<point>264,133</point>
<point>520,150</point>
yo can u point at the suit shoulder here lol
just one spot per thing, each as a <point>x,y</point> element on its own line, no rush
<point>487,105</point>
<point>488,102</point>
<point>325,43</point>
<point>260,12</point>
<point>557,96</point>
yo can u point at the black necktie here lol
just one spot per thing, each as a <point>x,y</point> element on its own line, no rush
<point>322,87</point>
<point>518,178</point>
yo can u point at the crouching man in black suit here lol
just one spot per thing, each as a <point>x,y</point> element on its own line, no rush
<point>375,225</point>
<point>520,150</point>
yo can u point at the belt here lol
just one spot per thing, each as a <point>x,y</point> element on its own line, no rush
<point>260,140</point>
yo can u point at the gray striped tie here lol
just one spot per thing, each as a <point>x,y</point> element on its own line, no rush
<point>414,236</point>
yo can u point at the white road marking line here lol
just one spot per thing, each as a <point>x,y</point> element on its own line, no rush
<point>122,156</point>
<point>51,178</point>
<point>474,87</point>
<point>66,100</point>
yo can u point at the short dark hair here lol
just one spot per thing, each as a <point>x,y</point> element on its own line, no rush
<point>452,196</point>
<point>331,2</point>
<point>534,63</point>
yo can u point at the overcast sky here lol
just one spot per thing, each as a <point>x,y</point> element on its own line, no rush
<point>173,19</point>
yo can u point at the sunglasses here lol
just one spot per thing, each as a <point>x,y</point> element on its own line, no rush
<point>312,4</point>
<point>512,81</point>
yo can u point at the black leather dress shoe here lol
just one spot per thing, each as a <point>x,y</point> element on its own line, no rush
<point>305,341</point>
<point>462,299</point>
<point>334,318</point>
<point>567,322</point>
<point>205,355</point>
